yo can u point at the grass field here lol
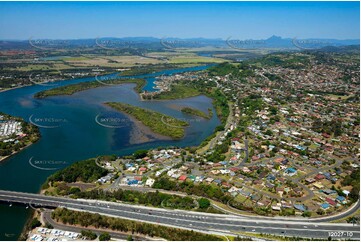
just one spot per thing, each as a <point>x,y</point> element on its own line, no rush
<point>111,61</point>
<point>195,59</point>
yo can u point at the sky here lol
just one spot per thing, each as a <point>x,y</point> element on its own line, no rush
<point>242,20</point>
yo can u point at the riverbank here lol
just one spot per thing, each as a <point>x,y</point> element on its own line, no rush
<point>29,224</point>
<point>142,133</point>
<point>13,88</point>
<point>4,158</point>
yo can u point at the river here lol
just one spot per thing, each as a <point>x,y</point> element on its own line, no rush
<point>71,133</point>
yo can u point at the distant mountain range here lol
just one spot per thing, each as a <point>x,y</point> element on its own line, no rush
<point>173,43</point>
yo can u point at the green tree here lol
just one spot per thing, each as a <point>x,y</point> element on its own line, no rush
<point>48,225</point>
<point>204,203</point>
<point>306,214</point>
<point>104,237</point>
<point>139,154</point>
<point>34,223</point>
<point>89,234</point>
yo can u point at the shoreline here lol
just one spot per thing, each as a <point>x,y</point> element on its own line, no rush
<point>14,88</point>
<point>141,131</point>
<point>4,158</point>
<point>138,113</point>
<point>60,80</point>
<point>26,229</point>
<point>140,134</point>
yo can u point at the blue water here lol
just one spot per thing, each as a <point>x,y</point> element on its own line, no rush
<point>77,136</point>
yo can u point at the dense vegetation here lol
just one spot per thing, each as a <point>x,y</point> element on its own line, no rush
<point>196,112</point>
<point>104,237</point>
<point>330,127</point>
<point>35,223</point>
<point>204,203</point>
<point>238,71</point>
<point>88,234</point>
<point>85,219</point>
<point>139,154</point>
<point>353,180</point>
<point>221,104</point>
<point>155,199</point>
<point>157,122</point>
<point>250,104</point>
<point>85,171</point>
<point>73,88</point>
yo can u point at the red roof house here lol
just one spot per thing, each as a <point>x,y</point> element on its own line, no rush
<point>319,177</point>
<point>182,178</point>
<point>330,201</point>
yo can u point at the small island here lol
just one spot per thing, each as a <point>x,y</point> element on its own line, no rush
<point>73,88</point>
<point>196,112</point>
<point>157,122</point>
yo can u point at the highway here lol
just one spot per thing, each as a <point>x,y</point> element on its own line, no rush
<point>205,222</point>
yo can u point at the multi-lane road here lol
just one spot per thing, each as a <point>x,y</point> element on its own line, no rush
<point>204,222</point>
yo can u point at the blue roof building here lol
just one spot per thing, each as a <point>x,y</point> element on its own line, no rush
<point>325,206</point>
<point>327,175</point>
<point>300,207</point>
<point>341,199</point>
<point>271,177</point>
<point>133,182</point>
<point>290,171</point>
<point>218,181</point>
